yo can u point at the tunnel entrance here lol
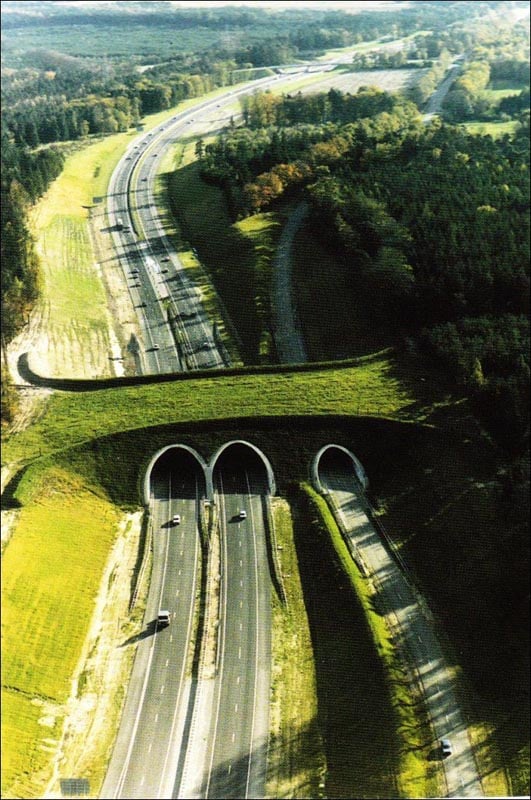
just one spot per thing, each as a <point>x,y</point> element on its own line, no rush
<point>176,469</point>
<point>241,468</point>
<point>333,464</point>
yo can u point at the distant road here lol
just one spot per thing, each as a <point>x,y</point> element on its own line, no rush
<point>435,102</point>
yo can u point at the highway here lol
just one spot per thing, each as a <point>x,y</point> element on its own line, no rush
<point>176,333</point>
<point>145,758</point>
<point>412,627</point>
<point>237,746</point>
<point>226,755</point>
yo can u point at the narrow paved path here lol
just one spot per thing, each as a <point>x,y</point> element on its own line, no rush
<point>287,334</point>
<point>413,629</point>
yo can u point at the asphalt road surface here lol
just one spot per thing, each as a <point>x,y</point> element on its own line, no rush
<point>227,752</point>
<point>176,332</point>
<point>410,618</point>
<point>146,754</point>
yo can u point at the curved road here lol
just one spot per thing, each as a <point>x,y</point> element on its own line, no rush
<point>159,286</point>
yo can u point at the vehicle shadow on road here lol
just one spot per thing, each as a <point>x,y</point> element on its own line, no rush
<point>149,630</point>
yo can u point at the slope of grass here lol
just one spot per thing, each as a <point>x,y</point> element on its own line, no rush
<point>375,734</point>
<point>236,256</point>
<point>295,752</point>
<point>51,571</point>
<point>373,387</point>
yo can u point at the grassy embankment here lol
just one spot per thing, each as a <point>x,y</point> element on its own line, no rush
<point>237,256</point>
<point>295,753</point>
<point>364,689</point>
<point>76,319</point>
<point>373,387</point>
<point>51,573</point>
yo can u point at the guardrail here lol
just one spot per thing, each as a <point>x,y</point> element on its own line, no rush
<point>276,572</point>
<point>146,548</point>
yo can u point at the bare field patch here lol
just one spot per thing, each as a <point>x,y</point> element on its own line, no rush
<point>388,80</point>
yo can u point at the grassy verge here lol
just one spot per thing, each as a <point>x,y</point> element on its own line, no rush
<point>373,387</point>
<point>374,731</point>
<point>51,569</point>
<point>73,300</point>
<point>296,764</point>
<point>326,300</point>
<point>181,156</point>
<point>236,256</point>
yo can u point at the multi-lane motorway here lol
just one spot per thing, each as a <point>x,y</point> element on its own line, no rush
<point>163,749</point>
<point>237,745</point>
<point>146,755</point>
<point>175,332</point>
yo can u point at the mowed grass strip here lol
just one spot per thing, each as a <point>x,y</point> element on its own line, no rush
<point>73,295</point>
<point>295,754</point>
<point>51,571</point>
<point>373,387</point>
<point>377,736</point>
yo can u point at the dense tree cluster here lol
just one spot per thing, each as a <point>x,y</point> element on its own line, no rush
<point>435,221</point>
<point>280,147</point>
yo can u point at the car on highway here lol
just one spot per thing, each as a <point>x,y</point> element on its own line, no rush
<point>156,347</point>
<point>144,179</point>
<point>446,748</point>
<point>242,514</point>
<point>163,618</point>
<point>176,519</point>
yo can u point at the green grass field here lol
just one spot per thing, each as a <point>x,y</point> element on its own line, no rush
<point>494,129</point>
<point>51,572</point>
<point>236,256</point>
<point>377,386</point>
<point>295,752</point>
<point>74,303</point>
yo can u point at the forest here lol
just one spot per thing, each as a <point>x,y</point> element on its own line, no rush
<point>432,221</point>
<point>354,158</point>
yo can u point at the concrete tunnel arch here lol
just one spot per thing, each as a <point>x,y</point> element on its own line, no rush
<point>269,470</point>
<point>200,460</point>
<point>357,465</point>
